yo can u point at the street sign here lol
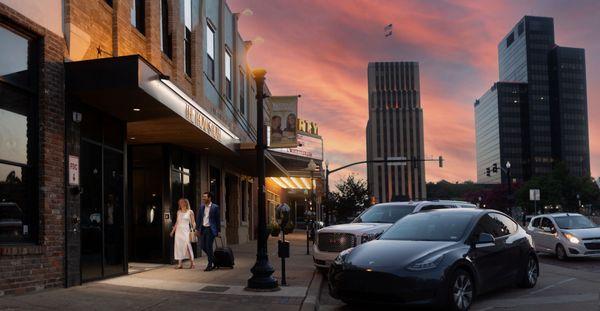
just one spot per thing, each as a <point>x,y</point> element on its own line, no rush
<point>534,194</point>
<point>396,161</point>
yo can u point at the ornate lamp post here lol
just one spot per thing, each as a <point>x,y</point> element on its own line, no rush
<point>262,272</point>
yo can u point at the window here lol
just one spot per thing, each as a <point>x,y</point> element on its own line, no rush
<point>521,28</point>
<point>138,12</point>
<point>165,34</point>
<point>506,224</point>
<point>228,87</point>
<point>431,207</point>
<point>210,52</point>
<point>187,37</point>
<point>510,39</point>
<point>547,223</point>
<point>536,223</point>
<point>18,139</point>
<point>242,92</point>
<point>495,225</point>
<point>109,2</point>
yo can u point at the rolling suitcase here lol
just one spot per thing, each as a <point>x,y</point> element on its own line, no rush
<point>223,255</point>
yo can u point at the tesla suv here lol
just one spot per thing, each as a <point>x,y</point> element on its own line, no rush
<point>566,235</point>
<point>330,241</point>
<point>440,257</point>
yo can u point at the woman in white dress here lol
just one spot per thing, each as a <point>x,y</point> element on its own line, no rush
<point>185,222</point>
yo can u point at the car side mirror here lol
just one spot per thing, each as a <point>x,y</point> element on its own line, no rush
<point>485,240</point>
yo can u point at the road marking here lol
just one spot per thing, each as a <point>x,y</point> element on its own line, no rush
<point>551,286</point>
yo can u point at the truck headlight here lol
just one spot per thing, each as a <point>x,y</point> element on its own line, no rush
<point>342,256</point>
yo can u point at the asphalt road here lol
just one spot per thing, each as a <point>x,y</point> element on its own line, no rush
<point>564,286</point>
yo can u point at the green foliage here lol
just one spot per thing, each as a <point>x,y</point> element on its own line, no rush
<point>351,197</point>
<point>559,188</point>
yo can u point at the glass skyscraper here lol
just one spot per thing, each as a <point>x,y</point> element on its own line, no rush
<point>552,112</point>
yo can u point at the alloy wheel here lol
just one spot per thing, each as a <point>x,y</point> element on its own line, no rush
<point>462,291</point>
<point>532,271</point>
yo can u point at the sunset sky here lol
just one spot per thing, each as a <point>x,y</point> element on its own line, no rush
<point>320,49</point>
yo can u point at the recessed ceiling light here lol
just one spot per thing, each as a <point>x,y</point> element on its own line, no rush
<point>137,109</point>
<point>132,138</point>
<point>205,148</point>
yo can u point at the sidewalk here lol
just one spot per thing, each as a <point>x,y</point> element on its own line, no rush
<point>165,288</point>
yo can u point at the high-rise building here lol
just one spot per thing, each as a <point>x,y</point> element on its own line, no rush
<point>395,131</point>
<point>499,131</point>
<point>550,106</point>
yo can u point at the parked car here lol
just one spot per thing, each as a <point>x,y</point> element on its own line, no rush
<point>11,220</point>
<point>367,226</point>
<point>565,235</point>
<point>440,257</point>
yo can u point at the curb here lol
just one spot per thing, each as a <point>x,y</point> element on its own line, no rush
<point>311,301</point>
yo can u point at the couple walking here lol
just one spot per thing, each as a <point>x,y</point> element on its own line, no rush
<point>209,220</point>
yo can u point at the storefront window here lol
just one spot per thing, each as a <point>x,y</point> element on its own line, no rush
<point>18,212</point>
<point>215,184</point>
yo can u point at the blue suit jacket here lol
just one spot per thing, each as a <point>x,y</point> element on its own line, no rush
<point>214,218</point>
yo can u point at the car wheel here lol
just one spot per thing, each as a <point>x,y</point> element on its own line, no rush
<point>532,272</point>
<point>461,291</point>
<point>561,254</point>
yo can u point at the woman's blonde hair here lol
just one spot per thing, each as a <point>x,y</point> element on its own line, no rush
<point>186,204</point>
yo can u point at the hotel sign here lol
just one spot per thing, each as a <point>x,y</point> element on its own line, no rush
<point>202,122</point>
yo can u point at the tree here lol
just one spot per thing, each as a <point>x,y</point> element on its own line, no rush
<point>560,189</point>
<point>351,197</point>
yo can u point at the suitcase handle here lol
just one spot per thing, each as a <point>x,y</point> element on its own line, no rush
<point>222,243</point>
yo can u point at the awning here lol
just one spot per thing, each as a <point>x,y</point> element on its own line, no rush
<point>156,111</point>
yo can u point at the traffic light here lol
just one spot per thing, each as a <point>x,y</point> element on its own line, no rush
<point>441,160</point>
<point>487,172</point>
<point>495,167</point>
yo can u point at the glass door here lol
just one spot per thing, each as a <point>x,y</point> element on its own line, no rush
<point>91,211</point>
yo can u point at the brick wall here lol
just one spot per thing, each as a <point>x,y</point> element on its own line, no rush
<point>26,268</point>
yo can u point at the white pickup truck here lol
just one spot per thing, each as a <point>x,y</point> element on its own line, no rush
<point>369,225</point>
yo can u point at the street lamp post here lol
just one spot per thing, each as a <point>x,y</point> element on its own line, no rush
<point>509,186</point>
<point>262,271</point>
<point>327,203</point>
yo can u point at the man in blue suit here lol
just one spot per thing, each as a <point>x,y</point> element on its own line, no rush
<point>208,219</point>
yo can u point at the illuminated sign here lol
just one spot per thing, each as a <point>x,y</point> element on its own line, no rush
<point>308,147</point>
<point>202,122</point>
<point>308,127</point>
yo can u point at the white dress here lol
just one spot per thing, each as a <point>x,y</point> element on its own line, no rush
<point>182,236</point>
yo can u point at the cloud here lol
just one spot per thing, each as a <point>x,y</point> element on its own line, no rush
<point>321,49</point>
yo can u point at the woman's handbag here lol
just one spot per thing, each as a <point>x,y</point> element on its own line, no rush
<point>193,236</point>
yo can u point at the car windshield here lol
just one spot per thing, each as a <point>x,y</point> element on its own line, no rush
<point>429,226</point>
<point>574,222</point>
<point>385,213</point>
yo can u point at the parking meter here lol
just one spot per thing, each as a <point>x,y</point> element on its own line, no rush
<point>283,215</point>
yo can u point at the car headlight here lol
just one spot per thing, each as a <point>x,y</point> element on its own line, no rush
<point>368,237</point>
<point>427,263</point>
<point>342,255</point>
<point>573,239</point>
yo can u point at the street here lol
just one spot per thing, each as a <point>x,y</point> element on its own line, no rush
<point>570,285</point>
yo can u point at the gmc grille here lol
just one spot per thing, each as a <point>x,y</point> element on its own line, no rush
<point>335,242</point>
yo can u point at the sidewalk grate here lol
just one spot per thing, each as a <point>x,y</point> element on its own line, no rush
<point>214,289</point>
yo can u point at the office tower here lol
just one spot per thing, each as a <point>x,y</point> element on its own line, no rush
<point>395,131</point>
<point>552,114</point>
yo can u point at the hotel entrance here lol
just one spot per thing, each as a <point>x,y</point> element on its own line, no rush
<point>102,196</point>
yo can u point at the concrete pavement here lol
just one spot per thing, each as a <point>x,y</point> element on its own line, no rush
<point>164,288</point>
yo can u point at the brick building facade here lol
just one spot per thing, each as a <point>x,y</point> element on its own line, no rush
<point>136,103</point>
<point>36,263</point>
